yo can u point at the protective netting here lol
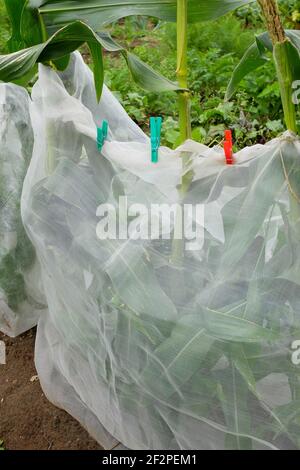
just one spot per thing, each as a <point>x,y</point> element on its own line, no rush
<point>192,354</point>
<point>20,299</point>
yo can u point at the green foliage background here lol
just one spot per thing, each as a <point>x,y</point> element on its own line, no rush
<point>4,27</point>
<point>214,50</point>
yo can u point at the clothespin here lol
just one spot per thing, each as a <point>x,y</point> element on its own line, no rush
<point>228,147</point>
<point>102,133</point>
<point>155,129</point>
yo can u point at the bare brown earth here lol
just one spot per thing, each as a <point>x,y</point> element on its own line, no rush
<point>27,420</point>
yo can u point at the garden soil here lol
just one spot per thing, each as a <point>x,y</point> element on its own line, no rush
<point>28,421</point>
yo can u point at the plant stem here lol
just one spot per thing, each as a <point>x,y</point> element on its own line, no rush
<point>285,77</point>
<point>184,99</point>
<point>182,71</point>
<point>282,56</point>
<point>184,104</point>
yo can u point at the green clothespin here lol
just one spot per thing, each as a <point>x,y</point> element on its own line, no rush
<point>155,129</point>
<point>102,133</point>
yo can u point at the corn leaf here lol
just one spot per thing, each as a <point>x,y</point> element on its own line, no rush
<point>144,75</point>
<point>96,52</point>
<point>32,28</point>
<point>98,13</point>
<point>225,326</point>
<point>126,271</point>
<point>233,394</point>
<point>177,359</point>
<point>14,9</point>
<point>256,56</point>
<point>18,64</point>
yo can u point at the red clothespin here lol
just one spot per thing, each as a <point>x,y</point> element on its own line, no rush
<point>228,147</point>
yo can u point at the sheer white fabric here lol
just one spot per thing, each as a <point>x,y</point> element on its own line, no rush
<point>161,355</point>
<point>21,300</point>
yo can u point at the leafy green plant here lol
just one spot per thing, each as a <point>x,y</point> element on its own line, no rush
<point>4,27</point>
<point>2,445</point>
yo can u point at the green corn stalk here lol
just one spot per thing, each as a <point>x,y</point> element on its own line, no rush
<point>282,59</point>
<point>184,108</point>
<point>184,103</point>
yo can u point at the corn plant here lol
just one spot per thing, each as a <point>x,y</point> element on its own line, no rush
<point>285,46</point>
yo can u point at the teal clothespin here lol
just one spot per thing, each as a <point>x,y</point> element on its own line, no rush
<point>102,133</point>
<point>155,129</point>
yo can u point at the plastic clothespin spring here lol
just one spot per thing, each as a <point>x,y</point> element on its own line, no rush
<point>155,129</point>
<point>102,133</point>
